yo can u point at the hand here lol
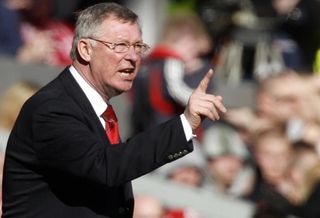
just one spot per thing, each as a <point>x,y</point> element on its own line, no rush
<point>201,104</point>
<point>241,117</point>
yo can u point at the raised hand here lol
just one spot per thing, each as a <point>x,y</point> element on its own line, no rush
<point>202,104</point>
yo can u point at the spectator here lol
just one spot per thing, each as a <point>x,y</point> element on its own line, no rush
<point>297,105</point>
<point>147,207</point>
<point>160,92</point>
<point>271,92</point>
<point>189,171</point>
<point>227,161</point>
<point>273,155</point>
<point>45,40</point>
<point>306,127</point>
<point>293,103</point>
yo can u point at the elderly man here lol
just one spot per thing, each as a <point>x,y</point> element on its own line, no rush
<point>65,157</point>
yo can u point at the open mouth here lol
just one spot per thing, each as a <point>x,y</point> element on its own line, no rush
<point>127,73</point>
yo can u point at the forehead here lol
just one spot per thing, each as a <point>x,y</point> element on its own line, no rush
<point>273,143</point>
<point>115,29</point>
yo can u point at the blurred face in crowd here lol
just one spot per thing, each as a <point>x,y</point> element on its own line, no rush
<point>273,156</point>
<point>285,98</point>
<point>225,169</point>
<point>284,6</point>
<point>187,36</point>
<point>111,73</point>
<point>190,47</point>
<point>147,207</point>
<point>187,175</point>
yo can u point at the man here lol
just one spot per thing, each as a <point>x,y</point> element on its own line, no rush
<point>59,161</point>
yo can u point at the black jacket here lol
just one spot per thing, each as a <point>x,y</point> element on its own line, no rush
<point>59,162</point>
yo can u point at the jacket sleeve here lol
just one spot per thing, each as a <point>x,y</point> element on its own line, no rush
<point>66,140</point>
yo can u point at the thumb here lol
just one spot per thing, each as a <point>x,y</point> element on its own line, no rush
<point>203,85</point>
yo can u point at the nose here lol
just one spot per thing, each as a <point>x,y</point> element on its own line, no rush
<point>132,54</point>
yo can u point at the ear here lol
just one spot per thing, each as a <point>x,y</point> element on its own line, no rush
<point>85,49</point>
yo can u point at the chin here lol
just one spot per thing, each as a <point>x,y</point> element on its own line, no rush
<point>121,87</point>
<point>126,86</point>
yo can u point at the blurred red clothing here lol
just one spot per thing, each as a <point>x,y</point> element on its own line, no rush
<point>59,36</point>
<point>181,213</point>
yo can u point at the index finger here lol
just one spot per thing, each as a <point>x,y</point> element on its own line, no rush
<point>203,85</point>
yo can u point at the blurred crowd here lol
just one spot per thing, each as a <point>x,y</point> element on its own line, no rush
<point>267,154</point>
<point>39,31</point>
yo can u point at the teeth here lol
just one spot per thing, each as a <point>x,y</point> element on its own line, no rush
<point>127,70</point>
<point>124,74</point>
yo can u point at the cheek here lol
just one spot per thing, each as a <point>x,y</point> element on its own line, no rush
<point>108,69</point>
<point>106,72</point>
<point>218,167</point>
<point>297,177</point>
<point>263,161</point>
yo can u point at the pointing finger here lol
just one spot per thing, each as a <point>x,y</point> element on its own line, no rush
<point>203,85</point>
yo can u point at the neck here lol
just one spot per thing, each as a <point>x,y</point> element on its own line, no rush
<point>84,71</point>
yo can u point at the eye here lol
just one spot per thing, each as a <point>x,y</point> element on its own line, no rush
<point>139,46</point>
<point>123,44</point>
<point>121,47</point>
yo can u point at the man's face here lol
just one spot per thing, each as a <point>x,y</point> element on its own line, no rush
<point>187,175</point>
<point>225,168</point>
<point>273,157</point>
<point>113,73</point>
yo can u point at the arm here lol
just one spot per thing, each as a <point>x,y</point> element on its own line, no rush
<point>177,88</point>
<point>67,140</point>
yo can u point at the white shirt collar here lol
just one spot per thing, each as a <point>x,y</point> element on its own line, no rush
<point>96,100</point>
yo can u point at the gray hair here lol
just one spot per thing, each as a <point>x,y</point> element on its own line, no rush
<point>90,19</point>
